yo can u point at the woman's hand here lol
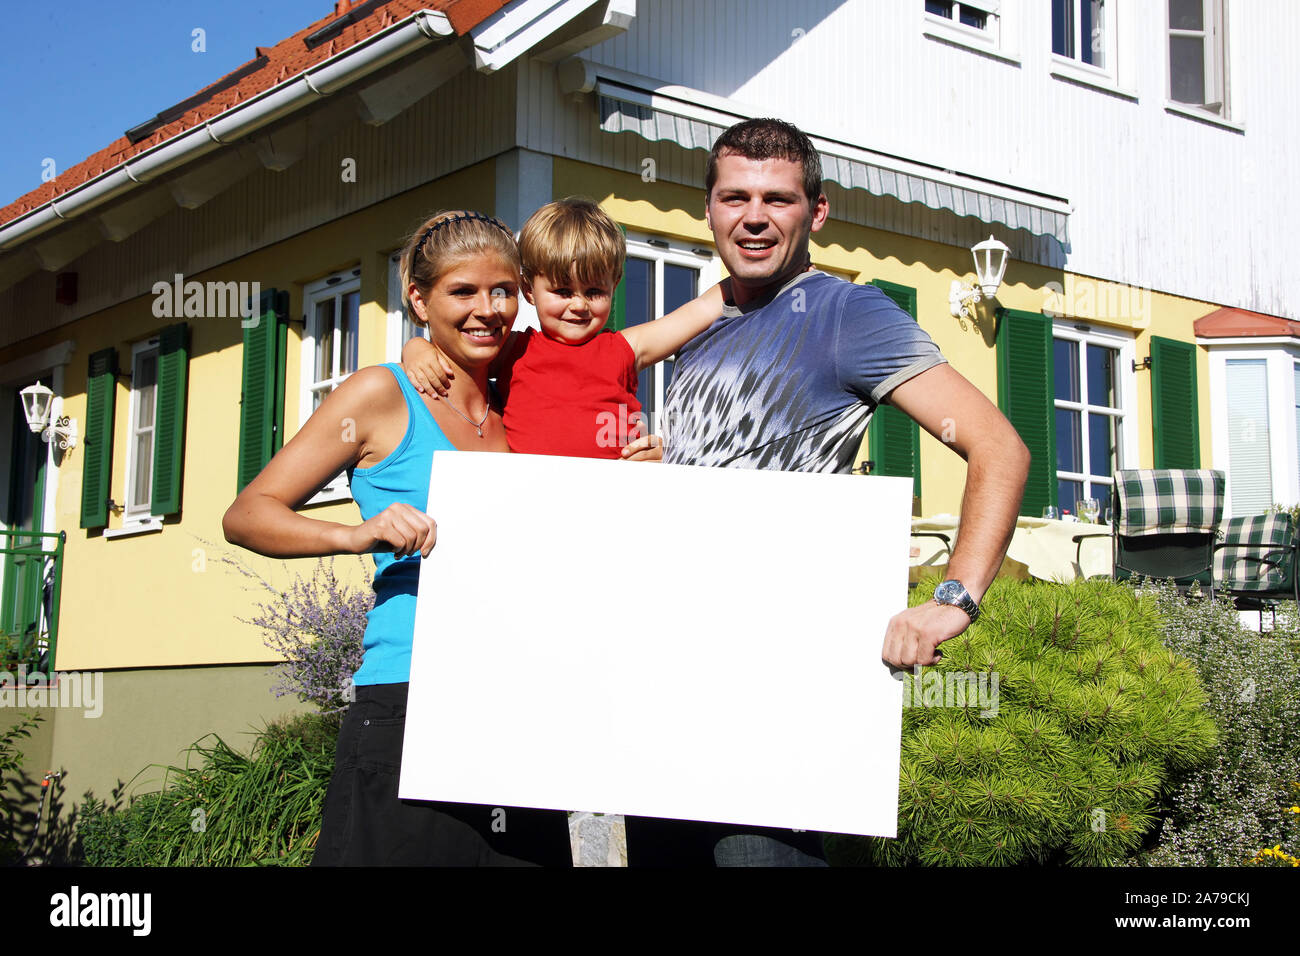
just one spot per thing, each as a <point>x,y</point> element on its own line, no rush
<point>399,528</point>
<point>645,448</point>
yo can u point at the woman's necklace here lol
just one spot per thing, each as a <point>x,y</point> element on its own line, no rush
<point>478,427</point>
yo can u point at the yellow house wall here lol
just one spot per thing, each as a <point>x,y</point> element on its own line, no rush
<point>165,598</point>
<point>864,254</point>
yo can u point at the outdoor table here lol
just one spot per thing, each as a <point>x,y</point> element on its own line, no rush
<point>1044,545</point>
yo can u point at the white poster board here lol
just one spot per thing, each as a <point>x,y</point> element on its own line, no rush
<point>659,640</point>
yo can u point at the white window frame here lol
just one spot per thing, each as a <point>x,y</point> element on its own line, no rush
<point>662,250</point>
<point>400,328</point>
<point>136,519</point>
<point>995,38</point>
<point>1282,364</point>
<point>1119,75</point>
<point>1218,54</point>
<point>334,286</point>
<point>1126,444</point>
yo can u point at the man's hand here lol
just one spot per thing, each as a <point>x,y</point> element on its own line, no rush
<point>914,634</point>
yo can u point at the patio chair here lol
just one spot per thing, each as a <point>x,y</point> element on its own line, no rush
<point>1256,563</point>
<point>1165,524</point>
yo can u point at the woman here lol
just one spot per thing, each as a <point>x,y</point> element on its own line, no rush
<point>460,276</point>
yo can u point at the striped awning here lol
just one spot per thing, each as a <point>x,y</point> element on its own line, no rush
<point>625,109</point>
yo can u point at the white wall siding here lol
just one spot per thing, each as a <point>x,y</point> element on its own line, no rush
<point>1161,200</point>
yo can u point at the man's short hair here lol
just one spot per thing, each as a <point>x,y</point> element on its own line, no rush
<point>768,138</point>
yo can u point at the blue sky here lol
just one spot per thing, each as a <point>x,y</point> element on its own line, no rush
<point>76,75</point>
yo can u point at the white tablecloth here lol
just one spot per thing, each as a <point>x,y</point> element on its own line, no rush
<point>1043,544</point>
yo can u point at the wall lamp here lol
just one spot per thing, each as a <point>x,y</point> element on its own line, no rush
<point>990,265</point>
<point>37,403</point>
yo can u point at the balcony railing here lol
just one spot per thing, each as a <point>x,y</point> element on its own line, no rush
<point>33,578</point>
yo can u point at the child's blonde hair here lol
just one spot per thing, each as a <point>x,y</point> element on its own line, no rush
<point>448,237</point>
<point>571,237</point>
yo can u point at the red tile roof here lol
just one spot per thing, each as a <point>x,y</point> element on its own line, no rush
<point>283,61</point>
<point>1233,323</point>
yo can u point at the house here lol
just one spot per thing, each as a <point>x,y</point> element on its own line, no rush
<point>190,292</point>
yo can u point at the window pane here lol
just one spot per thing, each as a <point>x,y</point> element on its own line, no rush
<point>1186,14</point>
<point>351,308</point>
<point>940,8</point>
<point>324,326</point>
<point>681,284</point>
<point>1187,69</point>
<point>1101,375</point>
<point>973,18</point>
<point>1249,456</point>
<point>1101,445</point>
<point>639,291</point>
<point>1067,369</point>
<point>1063,27</point>
<point>1069,441</point>
<point>1093,33</point>
<point>145,384</point>
<point>1067,493</point>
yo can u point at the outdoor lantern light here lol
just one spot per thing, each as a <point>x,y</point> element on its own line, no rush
<point>37,403</point>
<point>990,265</point>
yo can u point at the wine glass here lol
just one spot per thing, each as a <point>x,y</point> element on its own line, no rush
<point>1088,509</point>
<point>1052,512</point>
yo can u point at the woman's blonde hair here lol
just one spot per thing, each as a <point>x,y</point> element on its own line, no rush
<point>448,237</point>
<point>571,236</point>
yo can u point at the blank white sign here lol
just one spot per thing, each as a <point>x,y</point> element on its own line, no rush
<point>660,640</point>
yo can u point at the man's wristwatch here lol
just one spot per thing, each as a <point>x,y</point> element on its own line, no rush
<point>954,592</point>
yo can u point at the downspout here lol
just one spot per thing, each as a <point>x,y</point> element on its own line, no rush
<point>321,80</point>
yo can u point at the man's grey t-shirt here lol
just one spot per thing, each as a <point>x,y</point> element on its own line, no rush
<point>790,385</point>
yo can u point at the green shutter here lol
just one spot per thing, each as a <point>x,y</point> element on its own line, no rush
<point>261,405</point>
<point>169,419</point>
<point>97,460</point>
<point>894,439</point>
<point>617,321</point>
<point>1175,428</point>
<point>1026,395</point>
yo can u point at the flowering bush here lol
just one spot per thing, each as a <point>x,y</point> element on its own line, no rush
<point>317,624</point>
<point>1222,813</point>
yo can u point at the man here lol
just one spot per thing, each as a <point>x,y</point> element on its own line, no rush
<point>787,379</point>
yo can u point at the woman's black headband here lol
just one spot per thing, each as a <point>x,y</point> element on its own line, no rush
<point>459,217</point>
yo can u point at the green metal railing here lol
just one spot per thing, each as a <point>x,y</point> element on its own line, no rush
<point>33,583</point>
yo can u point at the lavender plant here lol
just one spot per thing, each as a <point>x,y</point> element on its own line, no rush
<point>1223,813</point>
<point>317,625</point>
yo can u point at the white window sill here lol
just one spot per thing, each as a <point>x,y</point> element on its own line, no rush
<point>1074,72</point>
<point>937,28</point>
<point>137,526</point>
<point>1191,112</point>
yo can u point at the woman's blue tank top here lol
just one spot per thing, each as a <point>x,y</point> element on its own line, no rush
<point>402,476</point>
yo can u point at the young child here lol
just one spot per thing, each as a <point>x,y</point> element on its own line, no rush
<point>570,389</point>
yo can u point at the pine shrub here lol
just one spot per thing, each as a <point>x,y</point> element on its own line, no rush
<point>1090,716</point>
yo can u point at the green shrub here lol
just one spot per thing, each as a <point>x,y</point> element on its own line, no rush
<point>11,760</point>
<point>1223,813</point>
<point>225,808</point>
<point>1091,714</point>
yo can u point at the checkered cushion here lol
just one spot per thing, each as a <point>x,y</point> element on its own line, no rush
<point>1169,501</point>
<point>1266,566</point>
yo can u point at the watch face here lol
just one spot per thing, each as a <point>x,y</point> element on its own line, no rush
<point>949,591</point>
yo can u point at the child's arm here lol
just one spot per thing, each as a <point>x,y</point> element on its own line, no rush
<point>654,341</point>
<point>426,367</point>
